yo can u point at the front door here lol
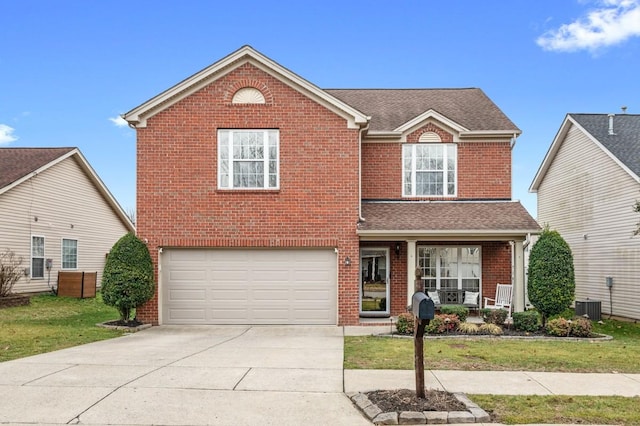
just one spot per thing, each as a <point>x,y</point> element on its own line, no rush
<point>374,282</point>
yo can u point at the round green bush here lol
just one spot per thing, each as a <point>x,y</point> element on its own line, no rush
<point>558,327</point>
<point>494,316</point>
<point>528,321</point>
<point>581,327</point>
<point>551,280</point>
<point>461,311</point>
<point>127,280</point>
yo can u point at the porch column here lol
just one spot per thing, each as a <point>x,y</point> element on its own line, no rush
<point>411,269</point>
<point>518,277</point>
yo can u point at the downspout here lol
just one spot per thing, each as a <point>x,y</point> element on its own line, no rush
<point>362,130</point>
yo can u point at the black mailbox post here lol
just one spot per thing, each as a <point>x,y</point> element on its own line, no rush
<point>424,311</point>
<point>422,306</point>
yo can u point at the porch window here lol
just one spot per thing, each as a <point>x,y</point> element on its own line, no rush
<point>248,159</point>
<point>429,169</point>
<point>450,268</point>
<point>37,257</point>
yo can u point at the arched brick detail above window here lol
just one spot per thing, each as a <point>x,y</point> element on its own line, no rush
<point>428,133</point>
<point>248,91</point>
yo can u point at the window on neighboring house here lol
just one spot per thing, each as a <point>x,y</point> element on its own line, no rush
<point>69,254</point>
<point>450,268</point>
<point>37,257</point>
<point>429,170</point>
<point>248,159</point>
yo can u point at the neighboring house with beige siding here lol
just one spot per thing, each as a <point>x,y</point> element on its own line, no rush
<point>54,206</point>
<point>587,186</point>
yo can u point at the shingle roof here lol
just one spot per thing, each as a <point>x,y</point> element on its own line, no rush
<point>624,144</point>
<point>447,216</point>
<point>391,108</point>
<point>16,163</point>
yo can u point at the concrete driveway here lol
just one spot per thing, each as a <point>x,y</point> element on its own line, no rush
<point>172,375</point>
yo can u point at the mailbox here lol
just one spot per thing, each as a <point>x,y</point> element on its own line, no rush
<point>422,306</point>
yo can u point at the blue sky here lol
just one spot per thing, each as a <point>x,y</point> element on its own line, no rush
<point>68,69</point>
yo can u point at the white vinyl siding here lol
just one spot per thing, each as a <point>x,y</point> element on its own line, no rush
<point>588,198</point>
<point>66,204</point>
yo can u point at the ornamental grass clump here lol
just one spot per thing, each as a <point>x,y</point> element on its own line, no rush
<point>492,329</point>
<point>127,281</point>
<point>468,328</point>
<point>405,323</point>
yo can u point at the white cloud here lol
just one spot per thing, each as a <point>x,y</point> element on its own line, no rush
<point>119,121</point>
<point>614,22</point>
<point>6,134</point>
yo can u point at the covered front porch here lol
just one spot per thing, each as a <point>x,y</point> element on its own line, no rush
<point>457,250</point>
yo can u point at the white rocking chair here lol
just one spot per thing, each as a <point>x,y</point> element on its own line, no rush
<point>502,300</point>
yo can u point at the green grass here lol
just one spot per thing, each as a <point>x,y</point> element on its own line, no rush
<point>557,409</point>
<point>619,355</point>
<point>50,323</point>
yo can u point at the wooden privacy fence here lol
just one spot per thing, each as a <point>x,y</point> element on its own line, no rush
<point>77,284</point>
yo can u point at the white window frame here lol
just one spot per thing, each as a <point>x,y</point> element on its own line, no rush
<point>32,257</point>
<point>62,255</point>
<point>449,152</point>
<point>225,157</point>
<point>438,265</point>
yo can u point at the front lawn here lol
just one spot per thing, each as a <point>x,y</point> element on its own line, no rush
<point>50,323</point>
<point>619,355</point>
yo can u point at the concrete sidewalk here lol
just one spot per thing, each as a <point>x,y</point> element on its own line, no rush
<point>497,382</point>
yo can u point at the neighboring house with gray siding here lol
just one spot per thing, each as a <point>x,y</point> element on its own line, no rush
<point>586,186</point>
<point>54,206</point>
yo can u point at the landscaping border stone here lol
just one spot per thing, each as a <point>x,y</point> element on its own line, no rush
<point>473,414</point>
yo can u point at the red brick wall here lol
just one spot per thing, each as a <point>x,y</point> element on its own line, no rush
<point>496,266</point>
<point>484,168</point>
<point>179,204</point>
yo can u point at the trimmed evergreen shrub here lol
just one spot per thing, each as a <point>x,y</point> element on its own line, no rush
<point>405,323</point>
<point>551,280</point>
<point>581,327</point>
<point>461,311</point>
<point>443,323</point>
<point>526,321</point>
<point>494,316</point>
<point>127,280</point>
<point>558,327</point>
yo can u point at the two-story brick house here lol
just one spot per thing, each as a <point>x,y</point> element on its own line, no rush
<point>267,200</point>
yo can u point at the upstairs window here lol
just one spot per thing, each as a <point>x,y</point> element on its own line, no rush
<point>69,254</point>
<point>248,159</point>
<point>429,170</point>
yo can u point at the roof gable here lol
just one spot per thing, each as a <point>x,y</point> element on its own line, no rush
<point>138,116</point>
<point>623,146</point>
<point>18,165</point>
<point>469,110</point>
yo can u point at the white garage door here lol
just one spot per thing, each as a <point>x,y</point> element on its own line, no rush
<point>248,286</point>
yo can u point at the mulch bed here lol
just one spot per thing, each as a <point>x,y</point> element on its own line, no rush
<point>406,400</point>
<point>121,323</point>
